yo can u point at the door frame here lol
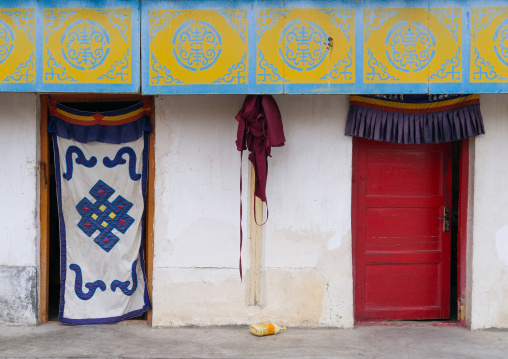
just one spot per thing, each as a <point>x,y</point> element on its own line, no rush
<point>45,195</point>
<point>461,237</point>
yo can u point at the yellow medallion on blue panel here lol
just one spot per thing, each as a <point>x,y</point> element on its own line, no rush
<point>198,47</point>
<point>87,46</point>
<point>489,45</point>
<point>412,45</point>
<point>17,46</point>
<point>305,46</point>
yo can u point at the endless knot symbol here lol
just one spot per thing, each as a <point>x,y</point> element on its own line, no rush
<point>198,45</point>
<point>410,46</point>
<point>501,40</point>
<point>104,216</point>
<point>6,37</point>
<point>304,45</point>
<point>86,44</point>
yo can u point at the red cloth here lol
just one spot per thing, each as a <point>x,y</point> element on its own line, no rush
<point>259,129</point>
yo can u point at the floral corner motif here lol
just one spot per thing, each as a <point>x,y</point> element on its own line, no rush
<point>25,72</point>
<point>341,68</point>
<point>161,75</point>
<point>116,19</point>
<point>57,71</point>
<point>376,20</point>
<point>159,20</point>
<point>235,73</point>
<point>378,70</point>
<point>339,18</point>
<point>267,72</point>
<point>267,19</point>
<point>237,20</point>
<point>118,69</point>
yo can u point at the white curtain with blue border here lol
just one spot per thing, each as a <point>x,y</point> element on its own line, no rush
<point>101,174</point>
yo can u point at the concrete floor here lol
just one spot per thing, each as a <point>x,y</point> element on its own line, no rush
<point>140,341</point>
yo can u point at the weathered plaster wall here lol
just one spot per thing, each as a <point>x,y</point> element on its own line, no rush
<point>489,282</point>
<point>18,208</point>
<point>307,266</point>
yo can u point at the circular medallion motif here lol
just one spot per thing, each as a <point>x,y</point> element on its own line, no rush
<point>501,42</point>
<point>85,44</point>
<point>410,46</point>
<point>199,45</point>
<point>304,45</point>
<point>6,39</point>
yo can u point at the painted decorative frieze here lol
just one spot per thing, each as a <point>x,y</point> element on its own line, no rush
<point>87,46</point>
<point>412,45</point>
<point>305,46</point>
<point>17,47</point>
<point>489,45</point>
<point>196,47</point>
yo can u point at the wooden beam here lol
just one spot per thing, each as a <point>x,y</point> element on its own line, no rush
<point>150,210</point>
<point>44,211</point>
<point>256,240</point>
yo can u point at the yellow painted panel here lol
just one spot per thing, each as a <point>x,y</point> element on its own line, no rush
<point>198,46</point>
<point>17,46</point>
<point>412,45</point>
<point>87,46</point>
<point>489,44</point>
<point>305,46</point>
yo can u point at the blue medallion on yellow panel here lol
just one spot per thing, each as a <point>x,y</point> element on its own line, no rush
<point>17,46</point>
<point>412,45</point>
<point>87,46</point>
<point>489,45</point>
<point>305,46</point>
<point>198,47</point>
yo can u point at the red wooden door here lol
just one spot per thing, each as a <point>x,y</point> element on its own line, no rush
<point>402,261</point>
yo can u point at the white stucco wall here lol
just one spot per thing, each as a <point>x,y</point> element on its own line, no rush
<point>307,265</point>
<point>18,208</point>
<point>489,292</point>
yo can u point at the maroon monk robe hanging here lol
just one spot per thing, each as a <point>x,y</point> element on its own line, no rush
<point>259,129</point>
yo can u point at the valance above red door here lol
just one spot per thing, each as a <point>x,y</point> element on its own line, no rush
<point>415,119</point>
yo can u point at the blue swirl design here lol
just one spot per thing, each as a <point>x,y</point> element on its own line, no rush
<point>269,70</point>
<point>304,45</point>
<point>374,64</point>
<point>61,16</point>
<point>118,69</point>
<point>161,73</point>
<point>266,21</point>
<point>124,286</point>
<point>85,44</point>
<point>335,15</point>
<point>57,70</point>
<point>118,160</point>
<point>382,16</point>
<point>347,63</point>
<point>198,45</point>
<point>442,73</point>
<point>156,15</point>
<point>490,74</point>
<point>237,19</point>
<point>230,77</point>
<point>80,160</point>
<point>112,15</point>
<point>410,46</point>
<point>453,26</point>
<point>501,40</point>
<point>78,284</point>
<point>23,71</point>
<point>488,15</point>
<point>6,37</point>
<point>27,27</point>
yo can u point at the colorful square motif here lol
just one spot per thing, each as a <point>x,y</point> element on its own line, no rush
<point>198,47</point>
<point>91,46</point>
<point>412,45</point>
<point>489,44</point>
<point>17,46</point>
<point>305,46</point>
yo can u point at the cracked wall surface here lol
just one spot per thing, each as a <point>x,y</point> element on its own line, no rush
<point>18,208</point>
<point>306,277</point>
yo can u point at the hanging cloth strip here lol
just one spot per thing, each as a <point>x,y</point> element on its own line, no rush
<point>415,119</point>
<point>259,129</point>
<point>101,173</point>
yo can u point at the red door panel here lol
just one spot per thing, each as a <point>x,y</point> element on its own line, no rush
<point>402,260</point>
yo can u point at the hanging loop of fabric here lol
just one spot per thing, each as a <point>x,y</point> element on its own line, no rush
<point>259,129</point>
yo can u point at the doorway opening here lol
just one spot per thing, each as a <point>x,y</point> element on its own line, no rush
<point>399,237</point>
<point>50,236</point>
